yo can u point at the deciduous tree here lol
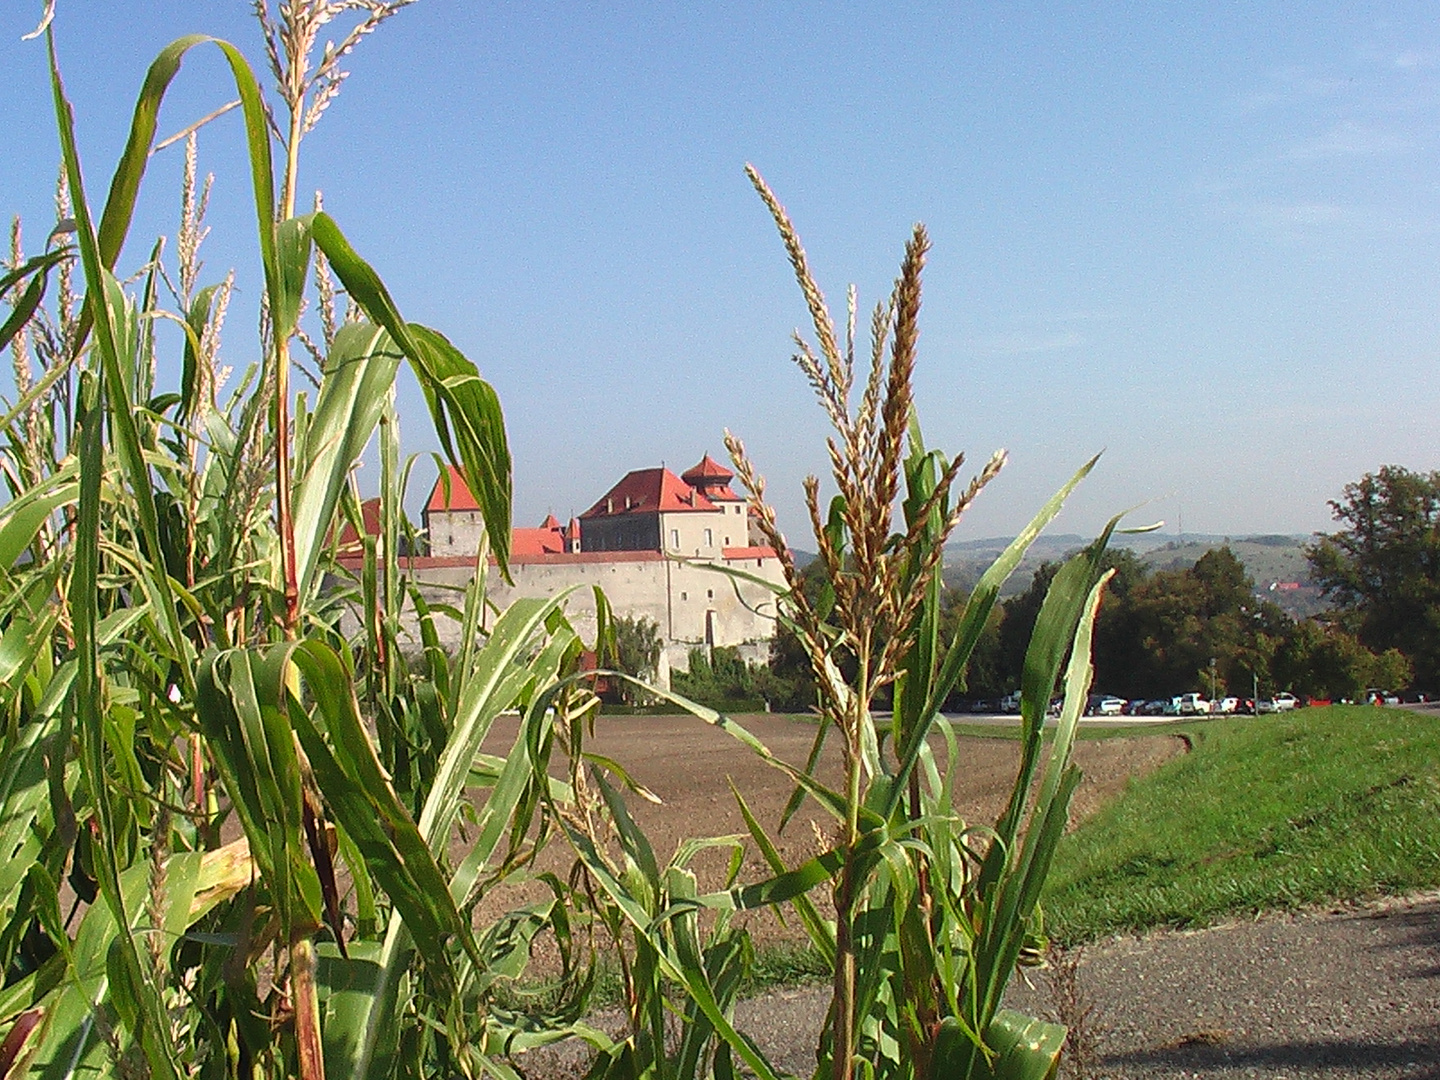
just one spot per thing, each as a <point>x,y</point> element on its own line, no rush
<point>637,651</point>
<point>1382,568</point>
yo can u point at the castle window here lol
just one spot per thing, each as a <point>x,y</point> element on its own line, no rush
<point>727,541</point>
<point>684,596</point>
<point>674,538</point>
<point>709,538</point>
<point>709,594</point>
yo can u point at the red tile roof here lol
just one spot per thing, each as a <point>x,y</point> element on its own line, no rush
<point>720,493</point>
<point>370,518</point>
<point>708,469</point>
<point>711,479</point>
<point>648,491</point>
<point>460,497</point>
<point>747,553</point>
<point>549,539</point>
<point>540,541</point>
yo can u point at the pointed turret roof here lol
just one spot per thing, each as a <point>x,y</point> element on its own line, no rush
<point>707,469</point>
<point>712,480</point>
<point>460,497</point>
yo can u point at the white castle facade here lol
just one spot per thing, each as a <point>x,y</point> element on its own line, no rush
<point>646,543</point>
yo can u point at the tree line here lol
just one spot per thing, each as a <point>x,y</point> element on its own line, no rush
<point>1205,627</point>
<point>1163,632</point>
<point>1166,631</point>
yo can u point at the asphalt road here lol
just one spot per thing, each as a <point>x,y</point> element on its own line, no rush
<point>1352,992</point>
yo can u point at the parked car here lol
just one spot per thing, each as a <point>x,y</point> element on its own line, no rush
<point>1110,706</point>
<point>1226,706</point>
<point>1381,697</point>
<point>1192,704</point>
<point>1279,703</point>
<point>1010,703</point>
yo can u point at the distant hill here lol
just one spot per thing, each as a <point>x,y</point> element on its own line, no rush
<point>1277,563</point>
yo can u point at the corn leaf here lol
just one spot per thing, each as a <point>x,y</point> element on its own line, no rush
<point>30,299</point>
<point>691,977</point>
<point>71,1043</point>
<point>1055,627</point>
<point>464,407</point>
<point>365,805</point>
<point>21,519</point>
<point>359,369</point>
<point>1023,1048</point>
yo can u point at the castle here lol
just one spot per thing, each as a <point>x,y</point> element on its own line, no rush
<point>646,542</point>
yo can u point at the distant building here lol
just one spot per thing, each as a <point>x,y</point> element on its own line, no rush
<point>644,542</point>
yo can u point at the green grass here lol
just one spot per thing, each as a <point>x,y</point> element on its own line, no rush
<point>1275,812</point>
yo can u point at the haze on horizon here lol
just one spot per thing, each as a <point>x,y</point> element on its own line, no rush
<point>1199,238</point>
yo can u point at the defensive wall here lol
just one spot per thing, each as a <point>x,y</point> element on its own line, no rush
<point>693,605</point>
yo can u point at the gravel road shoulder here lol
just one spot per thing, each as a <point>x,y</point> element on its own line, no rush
<point>1347,992</point>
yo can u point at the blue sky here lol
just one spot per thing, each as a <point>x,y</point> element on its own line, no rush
<point>1202,238</point>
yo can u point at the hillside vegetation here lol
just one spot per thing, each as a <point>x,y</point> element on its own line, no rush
<point>1268,559</point>
<point>1276,812</point>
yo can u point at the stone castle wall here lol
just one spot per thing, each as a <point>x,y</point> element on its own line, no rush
<point>693,606</point>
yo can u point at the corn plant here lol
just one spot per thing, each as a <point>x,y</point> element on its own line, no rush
<point>187,735</point>
<point>931,914</point>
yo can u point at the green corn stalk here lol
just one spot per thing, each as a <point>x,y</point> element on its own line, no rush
<point>155,659</point>
<point>924,938</point>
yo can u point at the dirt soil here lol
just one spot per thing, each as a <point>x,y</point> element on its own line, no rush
<point>690,765</point>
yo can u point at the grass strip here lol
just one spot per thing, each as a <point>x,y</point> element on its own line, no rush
<point>1274,812</point>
